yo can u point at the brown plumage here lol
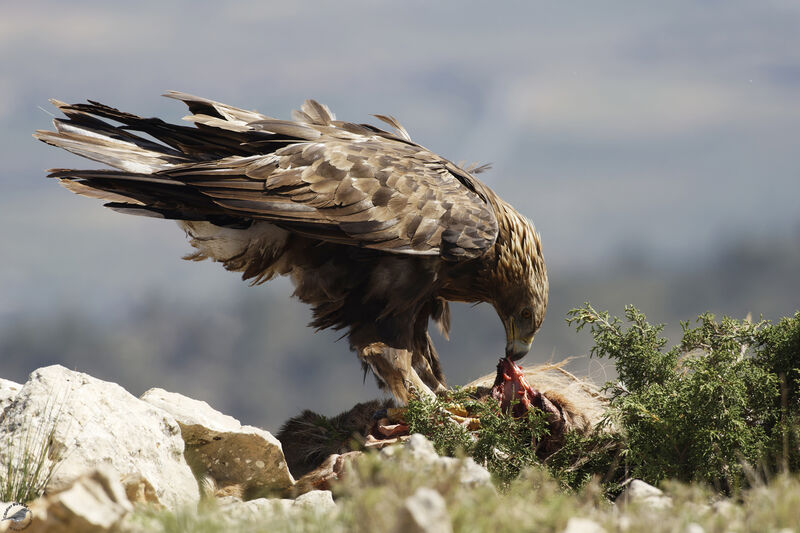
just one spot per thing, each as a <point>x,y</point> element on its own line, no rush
<point>376,232</point>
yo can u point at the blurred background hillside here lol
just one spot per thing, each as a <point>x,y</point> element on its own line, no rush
<point>654,145</point>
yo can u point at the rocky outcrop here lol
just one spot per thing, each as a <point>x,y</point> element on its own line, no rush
<point>112,452</point>
<point>94,423</point>
<point>320,501</point>
<point>244,459</point>
<point>93,503</point>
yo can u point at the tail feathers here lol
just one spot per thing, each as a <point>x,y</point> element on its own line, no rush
<point>151,159</point>
<point>90,192</point>
<point>142,194</point>
<point>181,214</point>
<point>142,210</point>
<point>81,116</point>
<point>102,174</point>
<point>221,131</point>
<point>114,152</point>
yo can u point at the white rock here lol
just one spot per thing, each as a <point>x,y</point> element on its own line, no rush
<point>319,500</point>
<point>8,391</point>
<point>190,412</point>
<point>226,451</point>
<point>420,453</point>
<point>472,474</point>
<point>640,493</point>
<point>583,525</point>
<point>235,511</point>
<point>694,527</point>
<point>95,502</point>
<point>99,423</point>
<point>424,511</point>
<point>419,446</point>
<point>638,489</point>
<point>139,489</point>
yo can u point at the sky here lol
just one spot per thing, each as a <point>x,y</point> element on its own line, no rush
<point>657,131</point>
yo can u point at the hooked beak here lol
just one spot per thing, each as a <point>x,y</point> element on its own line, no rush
<point>517,346</point>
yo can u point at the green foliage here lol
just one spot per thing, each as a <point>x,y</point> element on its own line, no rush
<point>586,458</point>
<point>709,409</point>
<point>507,445</point>
<point>778,351</point>
<point>430,416</point>
<point>503,444</point>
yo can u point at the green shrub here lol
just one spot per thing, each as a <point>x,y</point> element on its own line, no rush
<point>504,444</point>
<point>721,407</point>
<point>709,409</point>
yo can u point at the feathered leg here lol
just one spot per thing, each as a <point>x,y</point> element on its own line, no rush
<point>392,366</point>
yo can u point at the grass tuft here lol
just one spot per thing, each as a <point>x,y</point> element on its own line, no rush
<point>31,461</point>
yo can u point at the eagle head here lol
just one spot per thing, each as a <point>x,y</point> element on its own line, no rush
<point>520,283</point>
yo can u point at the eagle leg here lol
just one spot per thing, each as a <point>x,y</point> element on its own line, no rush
<point>393,368</point>
<point>423,356</point>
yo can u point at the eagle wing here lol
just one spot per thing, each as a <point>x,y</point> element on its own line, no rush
<point>337,181</point>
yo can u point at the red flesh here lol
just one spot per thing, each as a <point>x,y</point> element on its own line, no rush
<point>511,384</point>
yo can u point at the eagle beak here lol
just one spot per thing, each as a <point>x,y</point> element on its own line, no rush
<point>517,346</point>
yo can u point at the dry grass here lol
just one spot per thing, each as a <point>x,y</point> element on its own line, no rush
<point>372,497</point>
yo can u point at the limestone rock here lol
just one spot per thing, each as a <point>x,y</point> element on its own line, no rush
<point>583,525</point>
<point>139,489</point>
<point>8,391</point>
<point>420,452</point>
<point>694,527</point>
<point>220,447</point>
<point>640,493</point>
<point>235,511</point>
<point>319,500</point>
<point>99,423</point>
<point>95,502</point>
<point>424,511</point>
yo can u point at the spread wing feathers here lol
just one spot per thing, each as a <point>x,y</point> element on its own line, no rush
<point>341,182</point>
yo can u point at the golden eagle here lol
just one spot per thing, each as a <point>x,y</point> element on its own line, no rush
<point>376,232</point>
